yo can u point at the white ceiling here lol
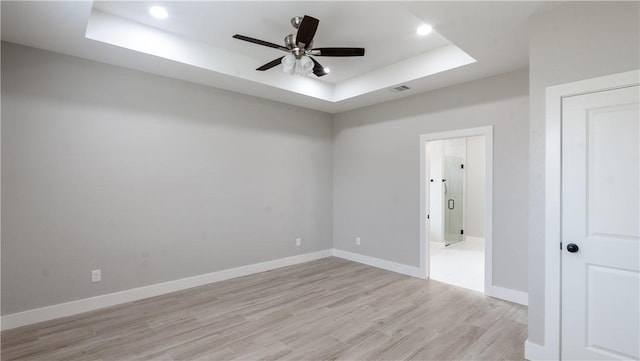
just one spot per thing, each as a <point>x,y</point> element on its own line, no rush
<point>471,40</point>
<point>213,23</point>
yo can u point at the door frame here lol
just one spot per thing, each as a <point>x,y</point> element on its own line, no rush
<point>553,200</point>
<point>487,132</point>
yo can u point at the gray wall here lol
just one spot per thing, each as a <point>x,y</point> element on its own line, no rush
<point>475,169</point>
<point>573,42</point>
<point>376,170</point>
<point>147,178</point>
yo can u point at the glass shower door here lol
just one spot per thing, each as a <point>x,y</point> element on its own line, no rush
<point>453,186</point>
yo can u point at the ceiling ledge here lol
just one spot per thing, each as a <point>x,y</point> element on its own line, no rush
<point>137,37</point>
<point>114,30</point>
<point>421,66</point>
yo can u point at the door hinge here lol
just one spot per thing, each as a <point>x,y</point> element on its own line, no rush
<point>427,216</point>
<point>561,246</point>
<point>461,166</point>
<point>462,231</point>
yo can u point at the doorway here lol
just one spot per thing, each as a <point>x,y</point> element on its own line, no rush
<point>456,203</point>
<point>456,212</point>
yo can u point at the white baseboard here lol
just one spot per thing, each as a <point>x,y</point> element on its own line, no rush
<point>89,304</point>
<point>509,295</point>
<point>440,245</point>
<point>473,239</point>
<point>381,263</point>
<point>535,352</point>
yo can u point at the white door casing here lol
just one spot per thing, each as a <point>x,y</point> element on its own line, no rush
<point>600,310</point>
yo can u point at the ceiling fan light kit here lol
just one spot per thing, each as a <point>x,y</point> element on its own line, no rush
<point>291,65</point>
<point>300,47</point>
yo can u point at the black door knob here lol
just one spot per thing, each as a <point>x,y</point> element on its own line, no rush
<point>572,247</point>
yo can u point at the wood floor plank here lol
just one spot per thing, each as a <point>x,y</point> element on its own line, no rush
<point>364,347</point>
<point>205,348</point>
<point>500,342</point>
<point>272,352</point>
<point>329,309</point>
<point>323,348</point>
<point>403,347</point>
<point>449,345</point>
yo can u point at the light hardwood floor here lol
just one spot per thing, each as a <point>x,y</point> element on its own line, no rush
<point>321,310</point>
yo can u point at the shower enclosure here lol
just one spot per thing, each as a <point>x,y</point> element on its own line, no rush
<point>447,187</point>
<point>453,187</point>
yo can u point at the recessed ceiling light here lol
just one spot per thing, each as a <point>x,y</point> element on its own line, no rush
<point>424,29</point>
<point>327,70</point>
<point>158,12</point>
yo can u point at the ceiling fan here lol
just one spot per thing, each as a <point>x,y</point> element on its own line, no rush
<point>300,47</point>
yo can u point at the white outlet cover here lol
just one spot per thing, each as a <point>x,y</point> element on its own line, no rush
<point>298,241</point>
<point>358,241</point>
<point>96,275</point>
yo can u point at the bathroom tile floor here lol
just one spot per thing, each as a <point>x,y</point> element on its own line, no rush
<point>460,264</point>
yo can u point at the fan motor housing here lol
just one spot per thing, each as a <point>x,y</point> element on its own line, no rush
<point>290,41</point>
<point>295,21</point>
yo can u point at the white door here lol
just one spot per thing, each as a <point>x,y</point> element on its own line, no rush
<point>601,226</point>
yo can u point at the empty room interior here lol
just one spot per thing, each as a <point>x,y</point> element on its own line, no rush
<point>315,180</point>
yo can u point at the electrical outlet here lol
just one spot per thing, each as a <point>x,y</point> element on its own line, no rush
<point>298,242</point>
<point>358,241</point>
<point>96,275</point>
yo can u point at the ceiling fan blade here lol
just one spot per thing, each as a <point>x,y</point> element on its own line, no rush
<point>260,42</point>
<point>337,51</point>
<point>271,64</point>
<point>306,31</point>
<point>318,69</point>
